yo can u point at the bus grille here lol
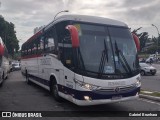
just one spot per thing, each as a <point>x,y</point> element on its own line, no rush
<point>121,89</point>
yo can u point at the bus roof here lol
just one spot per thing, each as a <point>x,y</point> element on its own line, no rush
<point>80,18</point>
<point>86,18</point>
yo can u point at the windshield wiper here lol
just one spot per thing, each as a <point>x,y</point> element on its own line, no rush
<point>79,63</point>
<point>125,64</point>
<point>103,59</point>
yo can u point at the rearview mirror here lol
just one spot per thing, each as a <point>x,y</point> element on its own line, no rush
<point>74,35</point>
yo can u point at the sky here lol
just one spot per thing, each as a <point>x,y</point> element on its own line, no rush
<point>28,14</point>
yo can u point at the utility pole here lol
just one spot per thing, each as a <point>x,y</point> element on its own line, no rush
<point>60,12</point>
<point>157,41</point>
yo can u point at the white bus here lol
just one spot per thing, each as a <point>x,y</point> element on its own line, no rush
<point>4,62</point>
<point>85,59</point>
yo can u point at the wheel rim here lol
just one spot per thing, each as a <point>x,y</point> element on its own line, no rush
<point>142,72</point>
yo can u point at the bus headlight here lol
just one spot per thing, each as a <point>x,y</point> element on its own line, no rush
<point>138,83</point>
<point>85,85</point>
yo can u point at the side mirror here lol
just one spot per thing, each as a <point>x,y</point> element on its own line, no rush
<point>137,42</point>
<point>74,35</point>
<point>1,49</point>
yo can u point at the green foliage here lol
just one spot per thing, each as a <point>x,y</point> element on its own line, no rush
<point>143,37</point>
<point>154,39</point>
<point>153,49</point>
<point>8,35</point>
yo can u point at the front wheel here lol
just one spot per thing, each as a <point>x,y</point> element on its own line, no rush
<point>142,72</point>
<point>54,91</point>
<point>153,73</point>
<point>27,79</point>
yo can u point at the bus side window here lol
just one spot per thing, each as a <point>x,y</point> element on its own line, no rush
<point>49,44</point>
<point>40,46</point>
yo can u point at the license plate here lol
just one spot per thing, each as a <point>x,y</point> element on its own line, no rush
<point>116,97</point>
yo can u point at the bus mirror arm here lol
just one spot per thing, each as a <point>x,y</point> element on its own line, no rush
<point>74,35</point>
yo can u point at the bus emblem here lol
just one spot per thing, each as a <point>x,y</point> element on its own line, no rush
<point>117,89</point>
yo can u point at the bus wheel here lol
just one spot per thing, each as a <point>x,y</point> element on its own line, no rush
<point>54,91</point>
<point>27,78</point>
<point>6,76</point>
<point>2,80</point>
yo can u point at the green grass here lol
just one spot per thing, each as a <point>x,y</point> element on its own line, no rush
<point>156,94</point>
<point>145,55</point>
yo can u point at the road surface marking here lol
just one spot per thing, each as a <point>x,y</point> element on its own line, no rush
<point>149,101</point>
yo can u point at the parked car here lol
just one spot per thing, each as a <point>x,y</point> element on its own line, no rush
<point>147,69</point>
<point>150,60</point>
<point>15,66</point>
<point>142,60</point>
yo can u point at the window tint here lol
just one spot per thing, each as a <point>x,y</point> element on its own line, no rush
<point>51,41</point>
<point>40,45</point>
<point>63,33</point>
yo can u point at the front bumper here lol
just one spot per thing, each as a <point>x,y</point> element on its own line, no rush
<point>104,101</point>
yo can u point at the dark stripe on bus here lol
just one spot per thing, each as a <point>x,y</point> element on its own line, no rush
<point>43,81</point>
<point>92,94</point>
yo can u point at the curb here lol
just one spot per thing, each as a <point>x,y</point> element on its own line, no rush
<point>150,97</point>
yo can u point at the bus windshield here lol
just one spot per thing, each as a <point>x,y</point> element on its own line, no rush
<point>107,50</point>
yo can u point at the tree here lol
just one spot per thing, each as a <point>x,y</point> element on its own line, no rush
<point>8,35</point>
<point>143,37</point>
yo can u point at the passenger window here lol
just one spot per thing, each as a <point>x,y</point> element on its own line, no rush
<point>51,41</point>
<point>49,44</point>
<point>40,45</point>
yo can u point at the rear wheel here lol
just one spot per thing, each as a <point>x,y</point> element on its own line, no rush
<point>6,75</point>
<point>2,80</point>
<point>142,72</point>
<point>54,90</point>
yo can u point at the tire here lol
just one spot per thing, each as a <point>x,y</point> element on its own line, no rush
<point>27,79</point>
<point>54,90</point>
<point>142,73</point>
<point>153,73</point>
<point>2,80</point>
<point>6,76</point>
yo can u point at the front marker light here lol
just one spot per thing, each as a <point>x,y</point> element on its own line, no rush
<point>138,83</point>
<point>87,98</point>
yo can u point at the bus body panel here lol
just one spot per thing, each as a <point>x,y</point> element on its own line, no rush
<point>70,89</point>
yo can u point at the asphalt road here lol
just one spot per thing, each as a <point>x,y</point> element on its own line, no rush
<point>17,95</point>
<point>152,83</point>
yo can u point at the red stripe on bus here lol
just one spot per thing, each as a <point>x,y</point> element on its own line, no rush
<point>34,36</point>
